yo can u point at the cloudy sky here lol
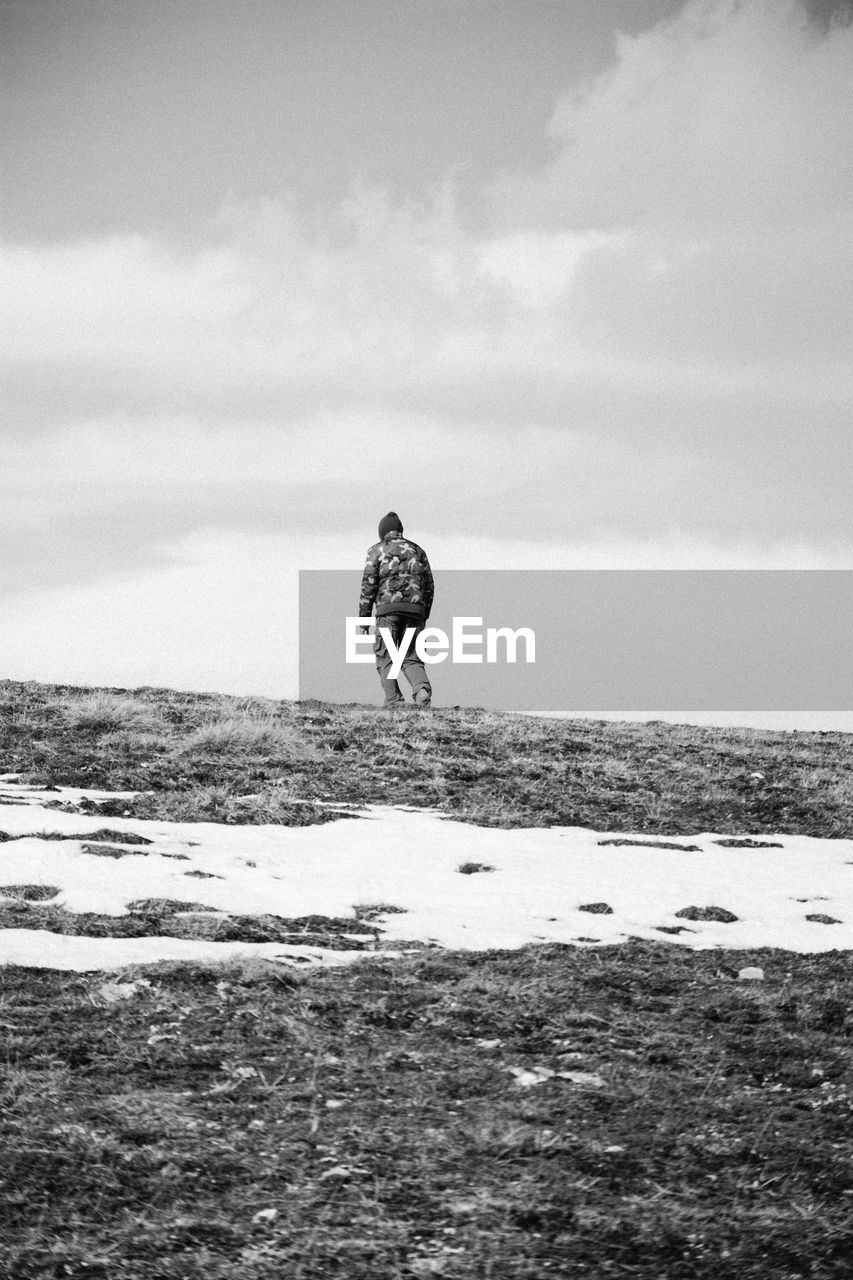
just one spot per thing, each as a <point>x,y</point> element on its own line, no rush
<point>565,284</point>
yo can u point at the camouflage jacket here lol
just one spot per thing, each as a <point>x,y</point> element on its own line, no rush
<point>397,579</point>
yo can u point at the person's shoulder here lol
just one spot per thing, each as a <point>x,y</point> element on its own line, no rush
<point>414,546</point>
<point>374,549</point>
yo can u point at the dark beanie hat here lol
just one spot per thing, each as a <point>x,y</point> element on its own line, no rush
<point>390,524</point>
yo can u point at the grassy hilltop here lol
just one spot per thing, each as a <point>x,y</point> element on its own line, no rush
<point>251,1122</point>
<point>199,756</point>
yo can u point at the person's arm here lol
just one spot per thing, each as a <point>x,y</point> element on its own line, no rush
<point>369,584</point>
<point>429,587</point>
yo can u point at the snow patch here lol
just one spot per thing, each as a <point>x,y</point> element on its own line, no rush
<point>543,878</point>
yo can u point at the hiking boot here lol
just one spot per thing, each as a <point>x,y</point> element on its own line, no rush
<point>423,697</point>
<point>393,703</point>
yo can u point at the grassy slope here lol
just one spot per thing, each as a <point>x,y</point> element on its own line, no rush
<point>200,753</point>
<point>143,1136</point>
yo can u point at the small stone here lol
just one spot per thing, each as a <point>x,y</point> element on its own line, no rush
<point>527,1079</point>
<point>341,1171</point>
<point>112,992</point>
<point>591,1078</point>
<point>751,974</point>
<point>717,914</point>
<point>597,908</point>
<point>265,1215</point>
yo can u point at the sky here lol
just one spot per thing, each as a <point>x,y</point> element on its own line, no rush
<point>566,285</point>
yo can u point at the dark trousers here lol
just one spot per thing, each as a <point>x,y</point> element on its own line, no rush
<point>413,669</point>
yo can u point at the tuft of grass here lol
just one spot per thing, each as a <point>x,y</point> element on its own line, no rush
<point>369,911</point>
<point>102,712</point>
<point>112,851</point>
<point>246,734</point>
<point>104,834</point>
<point>130,741</point>
<point>166,905</point>
<point>655,844</point>
<point>29,892</point>
<point>219,803</point>
<point>748,843</point>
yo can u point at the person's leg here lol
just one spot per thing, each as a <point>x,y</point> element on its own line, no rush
<point>415,671</point>
<point>390,688</point>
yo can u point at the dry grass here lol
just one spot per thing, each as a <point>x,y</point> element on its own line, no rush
<point>248,734</point>
<point>104,712</point>
<point>255,760</point>
<point>247,1122</point>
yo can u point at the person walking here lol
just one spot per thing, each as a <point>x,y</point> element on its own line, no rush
<point>397,585</point>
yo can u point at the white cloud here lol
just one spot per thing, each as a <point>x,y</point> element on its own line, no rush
<point>732,113</point>
<point>539,268</point>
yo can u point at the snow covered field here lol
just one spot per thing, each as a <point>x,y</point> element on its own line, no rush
<point>533,886</point>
